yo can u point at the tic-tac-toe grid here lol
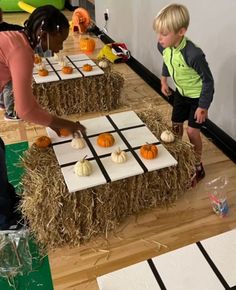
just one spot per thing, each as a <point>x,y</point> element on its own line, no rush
<point>130,134</point>
<point>54,68</point>
<point>209,264</point>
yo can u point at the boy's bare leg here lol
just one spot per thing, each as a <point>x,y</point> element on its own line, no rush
<point>195,139</point>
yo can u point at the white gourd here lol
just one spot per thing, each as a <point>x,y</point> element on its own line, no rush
<point>103,63</point>
<point>167,136</point>
<point>119,156</point>
<point>77,142</point>
<point>83,168</point>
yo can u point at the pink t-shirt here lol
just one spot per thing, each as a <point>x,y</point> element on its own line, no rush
<point>16,64</point>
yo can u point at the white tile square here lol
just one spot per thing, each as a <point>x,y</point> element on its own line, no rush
<point>76,183</point>
<point>54,137</point>
<point>118,171</point>
<point>186,269</point>
<point>222,250</point>
<point>126,119</point>
<point>80,63</point>
<point>107,150</point>
<point>163,159</point>
<point>94,72</point>
<point>52,60</point>
<point>77,57</point>
<point>74,75</point>
<point>58,67</point>
<point>51,77</point>
<point>136,277</point>
<point>139,136</point>
<point>66,154</point>
<point>97,125</point>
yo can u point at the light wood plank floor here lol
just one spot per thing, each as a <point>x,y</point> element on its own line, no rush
<point>148,234</point>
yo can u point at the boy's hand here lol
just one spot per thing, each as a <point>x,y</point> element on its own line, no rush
<point>200,115</point>
<point>165,89</point>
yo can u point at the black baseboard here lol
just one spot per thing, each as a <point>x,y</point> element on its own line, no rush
<point>222,140</point>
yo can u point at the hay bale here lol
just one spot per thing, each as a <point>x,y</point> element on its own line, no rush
<point>58,218</point>
<point>88,94</point>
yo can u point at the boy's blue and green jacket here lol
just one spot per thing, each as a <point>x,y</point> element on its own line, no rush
<point>187,65</point>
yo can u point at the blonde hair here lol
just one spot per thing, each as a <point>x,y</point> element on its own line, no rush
<point>171,18</point>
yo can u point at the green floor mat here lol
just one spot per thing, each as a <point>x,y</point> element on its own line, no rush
<point>40,278</point>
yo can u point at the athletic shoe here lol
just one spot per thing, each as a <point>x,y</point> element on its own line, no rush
<point>11,117</point>
<point>198,176</point>
<point>2,107</point>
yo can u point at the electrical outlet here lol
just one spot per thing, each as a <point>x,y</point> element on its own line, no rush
<point>106,14</point>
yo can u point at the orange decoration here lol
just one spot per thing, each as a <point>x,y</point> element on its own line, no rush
<point>64,132</point>
<point>67,70</point>
<point>87,67</point>
<point>87,44</point>
<point>43,142</point>
<point>43,72</point>
<point>105,140</point>
<point>37,59</point>
<point>149,151</point>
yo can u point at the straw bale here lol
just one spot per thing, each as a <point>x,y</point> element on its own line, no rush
<point>80,95</point>
<point>58,218</point>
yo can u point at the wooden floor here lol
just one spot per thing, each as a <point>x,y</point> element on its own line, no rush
<point>148,234</point>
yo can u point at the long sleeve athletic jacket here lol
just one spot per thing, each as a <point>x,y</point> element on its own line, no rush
<point>187,66</point>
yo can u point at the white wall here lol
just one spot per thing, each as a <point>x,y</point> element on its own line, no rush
<point>212,27</point>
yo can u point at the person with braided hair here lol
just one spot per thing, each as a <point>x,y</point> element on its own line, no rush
<point>46,29</point>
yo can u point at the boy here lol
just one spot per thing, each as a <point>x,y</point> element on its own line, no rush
<point>186,64</point>
<point>6,96</point>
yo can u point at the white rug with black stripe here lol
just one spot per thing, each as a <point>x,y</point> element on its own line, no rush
<point>206,265</point>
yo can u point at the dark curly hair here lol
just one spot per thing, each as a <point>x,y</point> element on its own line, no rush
<point>46,18</point>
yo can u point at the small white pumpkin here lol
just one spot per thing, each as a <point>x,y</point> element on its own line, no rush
<point>118,156</point>
<point>103,63</point>
<point>83,167</point>
<point>167,136</point>
<point>77,142</point>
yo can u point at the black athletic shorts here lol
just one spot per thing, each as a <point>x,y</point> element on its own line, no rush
<point>184,109</point>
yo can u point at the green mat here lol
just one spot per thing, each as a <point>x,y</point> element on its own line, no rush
<point>40,278</point>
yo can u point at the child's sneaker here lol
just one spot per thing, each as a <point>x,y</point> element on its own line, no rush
<point>199,175</point>
<point>11,117</point>
<point>2,107</point>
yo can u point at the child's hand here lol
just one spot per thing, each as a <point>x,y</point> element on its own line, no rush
<point>200,115</point>
<point>165,89</point>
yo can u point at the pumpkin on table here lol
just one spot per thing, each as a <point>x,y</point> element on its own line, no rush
<point>87,67</point>
<point>119,156</point>
<point>43,142</point>
<point>43,72</point>
<point>105,140</point>
<point>149,151</point>
<point>37,59</point>
<point>64,132</point>
<point>67,69</point>
<point>83,167</point>
<point>77,142</point>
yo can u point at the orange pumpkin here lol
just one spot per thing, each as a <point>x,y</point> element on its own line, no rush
<point>64,132</point>
<point>87,67</point>
<point>67,69</point>
<point>149,151</point>
<point>43,72</point>
<point>87,44</point>
<point>105,140</point>
<point>43,142</point>
<point>37,59</point>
